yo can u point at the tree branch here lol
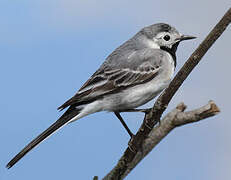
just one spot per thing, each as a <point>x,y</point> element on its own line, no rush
<point>153,117</point>
<point>177,117</point>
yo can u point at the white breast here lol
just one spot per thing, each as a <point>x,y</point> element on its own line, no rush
<point>170,65</point>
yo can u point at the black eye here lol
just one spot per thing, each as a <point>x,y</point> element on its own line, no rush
<point>166,37</point>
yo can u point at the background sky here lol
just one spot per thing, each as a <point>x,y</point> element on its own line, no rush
<point>49,48</point>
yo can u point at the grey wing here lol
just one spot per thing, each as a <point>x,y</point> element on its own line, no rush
<point>136,68</point>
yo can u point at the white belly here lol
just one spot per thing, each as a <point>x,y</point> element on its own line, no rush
<point>141,94</point>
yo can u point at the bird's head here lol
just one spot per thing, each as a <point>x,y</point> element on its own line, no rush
<point>163,36</point>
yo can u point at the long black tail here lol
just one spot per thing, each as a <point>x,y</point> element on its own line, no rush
<point>67,116</point>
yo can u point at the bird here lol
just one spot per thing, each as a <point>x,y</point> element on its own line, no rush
<point>132,75</point>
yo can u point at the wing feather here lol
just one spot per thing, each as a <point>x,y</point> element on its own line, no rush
<point>112,80</point>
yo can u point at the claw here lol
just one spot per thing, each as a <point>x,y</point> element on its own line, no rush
<point>146,124</point>
<point>146,111</point>
<point>130,146</point>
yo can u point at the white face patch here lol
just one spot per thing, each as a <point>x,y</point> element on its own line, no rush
<point>160,35</point>
<point>161,41</point>
<point>153,44</point>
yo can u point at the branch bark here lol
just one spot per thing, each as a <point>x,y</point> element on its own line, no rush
<point>130,157</point>
<point>177,117</point>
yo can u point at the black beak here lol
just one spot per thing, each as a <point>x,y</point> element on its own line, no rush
<point>186,37</point>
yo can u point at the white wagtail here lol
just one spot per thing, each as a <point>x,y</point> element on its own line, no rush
<point>133,74</point>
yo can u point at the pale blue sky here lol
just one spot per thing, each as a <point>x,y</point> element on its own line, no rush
<point>48,49</point>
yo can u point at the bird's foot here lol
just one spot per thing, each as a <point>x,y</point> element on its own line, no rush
<point>146,111</point>
<point>131,146</point>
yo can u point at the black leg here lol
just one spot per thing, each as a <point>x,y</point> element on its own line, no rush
<point>123,123</point>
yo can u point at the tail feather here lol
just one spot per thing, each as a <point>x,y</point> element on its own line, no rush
<point>64,119</point>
